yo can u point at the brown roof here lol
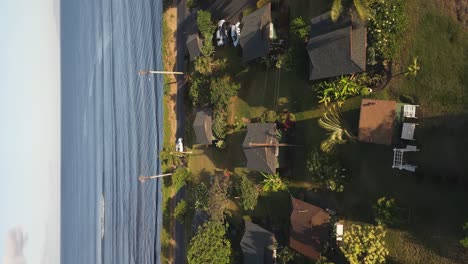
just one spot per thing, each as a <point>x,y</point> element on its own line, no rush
<point>310,226</point>
<point>376,121</point>
<point>261,158</point>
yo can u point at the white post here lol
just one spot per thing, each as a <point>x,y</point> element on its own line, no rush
<point>144,72</point>
<point>144,178</point>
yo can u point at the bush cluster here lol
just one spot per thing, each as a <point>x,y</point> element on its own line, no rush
<point>327,171</point>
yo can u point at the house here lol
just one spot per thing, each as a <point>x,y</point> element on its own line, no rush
<point>377,121</point>
<point>261,147</point>
<point>258,245</point>
<point>256,33</point>
<point>336,48</point>
<point>310,228</point>
<point>194,45</point>
<point>202,127</point>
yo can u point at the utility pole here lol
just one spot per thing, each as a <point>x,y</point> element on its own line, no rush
<point>145,72</point>
<point>144,178</point>
<point>271,145</point>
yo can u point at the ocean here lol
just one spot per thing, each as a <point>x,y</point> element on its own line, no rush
<point>111,131</point>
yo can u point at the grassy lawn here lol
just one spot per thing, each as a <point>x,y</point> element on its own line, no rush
<point>434,197</point>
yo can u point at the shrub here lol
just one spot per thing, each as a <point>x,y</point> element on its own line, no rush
<point>327,171</point>
<point>204,24</point>
<point>180,210</point>
<point>364,244</point>
<point>210,245</point>
<point>385,30</point>
<point>221,91</point>
<point>269,116</point>
<point>385,211</point>
<point>339,90</point>
<point>262,3</point>
<point>191,4</point>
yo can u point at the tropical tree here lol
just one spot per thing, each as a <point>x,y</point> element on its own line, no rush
<point>331,121</point>
<point>414,68</point>
<point>385,211</point>
<point>464,240</point>
<point>221,91</point>
<point>180,210</point>
<point>327,171</point>
<point>341,89</point>
<point>248,193</point>
<point>300,28</point>
<point>273,182</point>
<point>210,245</point>
<point>361,6</point>
<point>365,244</point>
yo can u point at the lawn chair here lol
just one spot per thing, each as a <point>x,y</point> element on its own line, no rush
<point>409,111</point>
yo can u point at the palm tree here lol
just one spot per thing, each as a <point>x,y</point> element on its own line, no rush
<point>362,7</point>
<point>331,121</point>
<point>273,182</point>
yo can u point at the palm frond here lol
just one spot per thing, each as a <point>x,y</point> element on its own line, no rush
<point>363,9</point>
<point>336,10</point>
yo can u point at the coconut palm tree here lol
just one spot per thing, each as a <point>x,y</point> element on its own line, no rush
<point>273,182</point>
<point>331,121</point>
<point>362,7</point>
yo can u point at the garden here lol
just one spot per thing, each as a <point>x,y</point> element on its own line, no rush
<point>416,54</point>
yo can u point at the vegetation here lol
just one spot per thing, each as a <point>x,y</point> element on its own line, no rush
<point>273,182</point>
<point>300,28</point>
<point>386,29</point>
<point>205,25</point>
<point>261,3</point>
<point>340,89</point>
<point>413,69</point>
<point>248,193</point>
<point>327,171</point>
<point>202,197</point>
<point>218,201</point>
<point>219,124</point>
<point>210,245</point>
<point>222,89</point>
<point>464,240</point>
<point>385,211</point>
<point>287,256</point>
<point>331,121</point>
<point>364,244</point>
<point>180,210</point>
<point>361,6</point>
<point>180,177</point>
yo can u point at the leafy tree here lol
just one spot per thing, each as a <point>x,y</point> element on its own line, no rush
<point>248,193</point>
<point>202,197</point>
<point>362,7</point>
<point>180,210</point>
<point>180,177</point>
<point>331,121</point>
<point>199,90</point>
<point>365,244</point>
<point>464,240</point>
<point>287,256</point>
<point>203,65</point>
<point>341,89</point>
<point>273,182</point>
<point>300,28</point>
<point>385,211</point>
<point>222,89</point>
<point>210,245</point>
<point>326,170</point>
<point>218,200</point>
<point>269,116</point>
<point>204,24</point>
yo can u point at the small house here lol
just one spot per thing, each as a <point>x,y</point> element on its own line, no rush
<point>202,125</point>
<point>261,147</point>
<point>258,245</point>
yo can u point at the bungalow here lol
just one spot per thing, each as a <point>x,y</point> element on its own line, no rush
<point>194,45</point>
<point>310,228</point>
<point>336,48</point>
<point>261,147</point>
<point>202,127</point>
<point>258,245</point>
<point>256,33</point>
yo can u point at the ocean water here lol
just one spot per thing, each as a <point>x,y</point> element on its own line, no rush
<point>111,131</point>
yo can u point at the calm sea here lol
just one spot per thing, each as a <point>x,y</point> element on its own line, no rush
<point>111,131</point>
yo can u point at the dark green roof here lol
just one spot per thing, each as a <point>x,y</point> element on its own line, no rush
<point>261,158</point>
<point>255,34</point>
<point>336,48</point>
<point>257,245</point>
